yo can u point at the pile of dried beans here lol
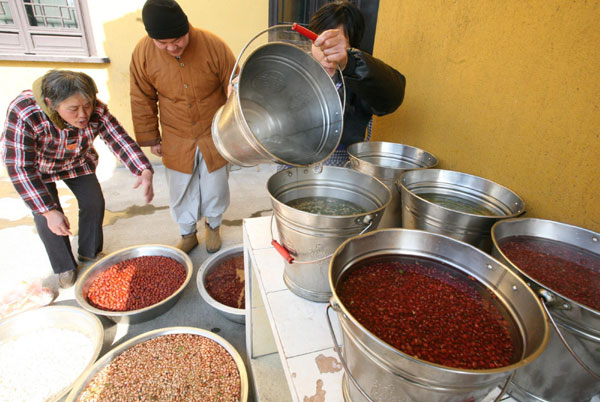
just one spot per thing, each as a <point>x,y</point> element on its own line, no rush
<point>225,282</point>
<point>136,283</point>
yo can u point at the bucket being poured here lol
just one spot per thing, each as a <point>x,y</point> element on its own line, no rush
<point>285,108</point>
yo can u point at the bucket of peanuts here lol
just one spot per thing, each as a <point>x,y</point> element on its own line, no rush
<point>134,284</point>
<point>168,364</point>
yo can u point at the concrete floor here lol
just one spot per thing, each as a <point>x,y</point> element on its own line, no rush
<point>127,223</point>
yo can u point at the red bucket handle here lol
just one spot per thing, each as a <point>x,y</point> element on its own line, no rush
<point>304,31</point>
<point>281,250</point>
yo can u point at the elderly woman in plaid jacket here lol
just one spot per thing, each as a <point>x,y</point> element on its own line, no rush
<point>48,136</point>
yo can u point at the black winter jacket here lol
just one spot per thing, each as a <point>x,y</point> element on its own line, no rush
<point>372,88</point>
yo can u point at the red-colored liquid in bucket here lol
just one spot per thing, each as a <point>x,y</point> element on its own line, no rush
<point>431,311</point>
<point>568,270</point>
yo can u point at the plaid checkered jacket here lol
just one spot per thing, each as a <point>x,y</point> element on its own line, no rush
<point>36,152</point>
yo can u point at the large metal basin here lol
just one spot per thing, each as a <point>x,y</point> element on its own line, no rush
<point>82,383</point>
<point>419,213</point>
<point>387,374</point>
<point>59,317</point>
<point>387,161</point>
<point>133,316</point>
<point>557,376</point>
<point>231,313</point>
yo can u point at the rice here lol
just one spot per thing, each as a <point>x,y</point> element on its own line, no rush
<point>38,366</point>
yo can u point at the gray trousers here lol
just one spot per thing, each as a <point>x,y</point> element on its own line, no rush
<point>201,193</point>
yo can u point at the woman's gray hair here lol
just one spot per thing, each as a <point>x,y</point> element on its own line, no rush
<point>58,85</point>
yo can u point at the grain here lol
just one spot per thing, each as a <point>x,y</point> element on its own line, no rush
<point>38,365</point>
<point>176,367</point>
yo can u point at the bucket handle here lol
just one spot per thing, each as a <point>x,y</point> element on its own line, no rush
<point>302,31</point>
<point>288,257</point>
<point>362,391</point>
<point>339,353</point>
<point>546,298</point>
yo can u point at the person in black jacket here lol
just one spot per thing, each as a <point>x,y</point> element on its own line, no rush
<point>372,86</point>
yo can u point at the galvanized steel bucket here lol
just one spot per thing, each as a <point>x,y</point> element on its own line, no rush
<point>419,213</point>
<point>387,161</point>
<point>307,240</point>
<point>285,108</point>
<point>559,373</point>
<point>376,371</point>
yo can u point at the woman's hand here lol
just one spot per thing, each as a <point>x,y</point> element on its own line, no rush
<point>330,50</point>
<point>58,223</point>
<point>145,181</point>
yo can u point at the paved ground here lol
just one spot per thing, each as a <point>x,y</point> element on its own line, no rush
<point>127,223</point>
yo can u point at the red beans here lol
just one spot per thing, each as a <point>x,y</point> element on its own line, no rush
<point>431,311</point>
<point>568,270</point>
<point>225,282</point>
<point>136,283</point>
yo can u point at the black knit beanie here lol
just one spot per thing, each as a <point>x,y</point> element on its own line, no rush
<point>164,19</point>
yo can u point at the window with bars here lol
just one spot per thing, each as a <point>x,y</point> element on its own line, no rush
<point>45,28</point>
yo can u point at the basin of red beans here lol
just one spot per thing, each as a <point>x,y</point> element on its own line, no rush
<point>568,270</point>
<point>225,282</point>
<point>431,311</point>
<point>136,283</point>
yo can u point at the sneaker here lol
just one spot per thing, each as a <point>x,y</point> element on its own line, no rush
<point>213,239</point>
<point>187,242</point>
<point>67,279</point>
<point>83,258</point>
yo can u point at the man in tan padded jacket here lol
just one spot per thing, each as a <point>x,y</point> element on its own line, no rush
<point>179,76</point>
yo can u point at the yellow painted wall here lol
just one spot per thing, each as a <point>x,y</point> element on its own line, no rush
<point>117,27</point>
<point>506,90</point>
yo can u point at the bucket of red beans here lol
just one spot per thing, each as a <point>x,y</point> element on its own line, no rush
<point>425,317</point>
<point>561,263</point>
<point>221,283</point>
<point>168,364</point>
<point>134,284</point>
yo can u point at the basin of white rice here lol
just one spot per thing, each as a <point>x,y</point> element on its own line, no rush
<point>44,351</point>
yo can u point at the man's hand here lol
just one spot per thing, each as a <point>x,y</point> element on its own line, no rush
<point>330,50</point>
<point>58,222</point>
<point>145,181</point>
<point>156,150</point>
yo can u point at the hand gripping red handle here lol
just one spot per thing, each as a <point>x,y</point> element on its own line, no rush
<point>281,250</point>
<point>303,31</point>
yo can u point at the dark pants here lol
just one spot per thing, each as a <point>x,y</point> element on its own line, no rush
<point>89,196</point>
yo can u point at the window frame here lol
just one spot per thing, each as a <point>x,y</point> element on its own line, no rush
<point>52,43</point>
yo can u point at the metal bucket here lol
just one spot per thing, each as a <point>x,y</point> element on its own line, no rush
<point>384,373</point>
<point>419,213</point>
<point>285,108</point>
<point>387,161</point>
<point>308,240</point>
<point>557,375</point>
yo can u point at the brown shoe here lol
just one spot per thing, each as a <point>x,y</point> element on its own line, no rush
<point>213,240</point>
<point>187,242</point>
<point>67,279</point>
<point>83,258</point>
